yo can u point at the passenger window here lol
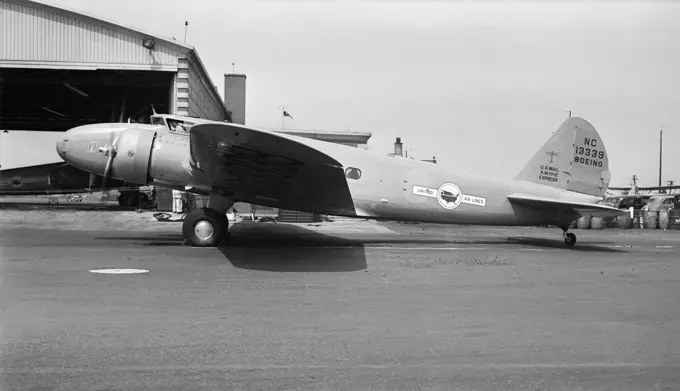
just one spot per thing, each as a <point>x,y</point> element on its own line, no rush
<point>353,173</point>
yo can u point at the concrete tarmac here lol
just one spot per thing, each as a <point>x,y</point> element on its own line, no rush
<point>338,306</point>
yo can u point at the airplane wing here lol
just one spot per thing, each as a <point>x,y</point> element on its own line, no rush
<point>581,208</point>
<point>270,169</point>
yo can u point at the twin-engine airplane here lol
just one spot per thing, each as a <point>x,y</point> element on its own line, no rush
<point>231,163</point>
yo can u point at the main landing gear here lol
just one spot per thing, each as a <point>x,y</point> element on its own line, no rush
<point>208,227</point>
<point>569,238</point>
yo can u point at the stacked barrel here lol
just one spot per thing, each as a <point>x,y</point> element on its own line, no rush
<point>669,219</point>
<point>665,220</point>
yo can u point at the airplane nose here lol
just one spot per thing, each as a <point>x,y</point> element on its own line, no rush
<point>86,147</point>
<point>61,147</point>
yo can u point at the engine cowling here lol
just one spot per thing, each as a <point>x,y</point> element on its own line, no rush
<point>133,155</point>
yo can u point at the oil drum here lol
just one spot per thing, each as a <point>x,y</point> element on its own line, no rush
<point>596,223</point>
<point>674,219</point>
<point>583,222</point>
<point>624,222</point>
<point>651,219</point>
<point>664,219</point>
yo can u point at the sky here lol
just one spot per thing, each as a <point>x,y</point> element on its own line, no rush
<point>481,85</point>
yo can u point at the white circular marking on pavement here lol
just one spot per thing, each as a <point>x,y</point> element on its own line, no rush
<point>119,271</point>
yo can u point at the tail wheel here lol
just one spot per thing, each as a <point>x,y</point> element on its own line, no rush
<point>205,227</point>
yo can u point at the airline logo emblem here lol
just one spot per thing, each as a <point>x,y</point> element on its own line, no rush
<point>449,196</point>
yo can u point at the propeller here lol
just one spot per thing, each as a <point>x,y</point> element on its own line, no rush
<point>111,150</point>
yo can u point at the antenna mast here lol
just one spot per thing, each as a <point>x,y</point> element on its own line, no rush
<point>660,153</point>
<point>186,27</point>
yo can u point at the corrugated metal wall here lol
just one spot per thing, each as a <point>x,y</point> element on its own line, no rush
<point>194,95</point>
<point>182,87</point>
<point>41,37</point>
<point>203,99</point>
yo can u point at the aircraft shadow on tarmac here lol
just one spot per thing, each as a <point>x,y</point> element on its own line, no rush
<point>275,247</point>
<point>549,243</point>
<point>293,248</point>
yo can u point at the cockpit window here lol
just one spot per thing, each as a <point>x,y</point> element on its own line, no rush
<point>353,173</point>
<point>181,127</point>
<point>157,121</point>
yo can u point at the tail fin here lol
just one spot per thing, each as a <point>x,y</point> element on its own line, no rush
<point>574,159</point>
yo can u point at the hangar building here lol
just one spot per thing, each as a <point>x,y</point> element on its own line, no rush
<point>61,68</point>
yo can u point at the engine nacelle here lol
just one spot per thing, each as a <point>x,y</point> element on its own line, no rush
<point>141,154</point>
<point>170,157</point>
<point>131,162</point>
<point>147,156</point>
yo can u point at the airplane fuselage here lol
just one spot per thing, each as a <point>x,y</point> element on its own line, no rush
<point>382,186</point>
<point>564,180</point>
<point>396,188</point>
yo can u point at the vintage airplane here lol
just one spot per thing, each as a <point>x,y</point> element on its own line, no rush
<point>564,180</point>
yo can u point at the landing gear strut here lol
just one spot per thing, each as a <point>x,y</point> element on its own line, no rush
<point>208,227</point>
<point>569,238</point>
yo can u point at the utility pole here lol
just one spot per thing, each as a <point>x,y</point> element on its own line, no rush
<point>660,153</point>
<point>635,178</point>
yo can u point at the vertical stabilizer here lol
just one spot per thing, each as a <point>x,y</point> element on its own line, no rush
<point>574,159</point>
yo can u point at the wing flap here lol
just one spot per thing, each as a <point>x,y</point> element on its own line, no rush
<point>269,169</point>
<point>582,208</point>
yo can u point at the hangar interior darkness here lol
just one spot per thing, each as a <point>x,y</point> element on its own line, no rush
<point>57,100</point>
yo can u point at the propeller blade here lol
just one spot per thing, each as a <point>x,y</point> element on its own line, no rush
<point>93,177</point>
<point>113,149</point>
<point>122,110</point>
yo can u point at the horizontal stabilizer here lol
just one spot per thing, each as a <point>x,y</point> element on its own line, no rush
<point>581,208</point>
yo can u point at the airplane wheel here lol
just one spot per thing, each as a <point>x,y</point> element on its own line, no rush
<point>205,227</point>
<point>570,239</point>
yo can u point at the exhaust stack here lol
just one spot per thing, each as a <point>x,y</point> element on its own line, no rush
<point>398,147</point>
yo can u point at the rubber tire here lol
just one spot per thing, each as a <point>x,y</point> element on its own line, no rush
<point>570,240</point>
<point>219,221</point>
<point>122,199</point>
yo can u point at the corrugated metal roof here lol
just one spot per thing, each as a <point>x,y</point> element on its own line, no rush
<point>33,34</point>
<point>103,21</point>
<point>39,34</point>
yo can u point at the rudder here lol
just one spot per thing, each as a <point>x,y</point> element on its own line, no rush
<point>574,159</point>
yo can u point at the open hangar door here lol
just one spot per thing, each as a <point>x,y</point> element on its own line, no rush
<point>56,100</point>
